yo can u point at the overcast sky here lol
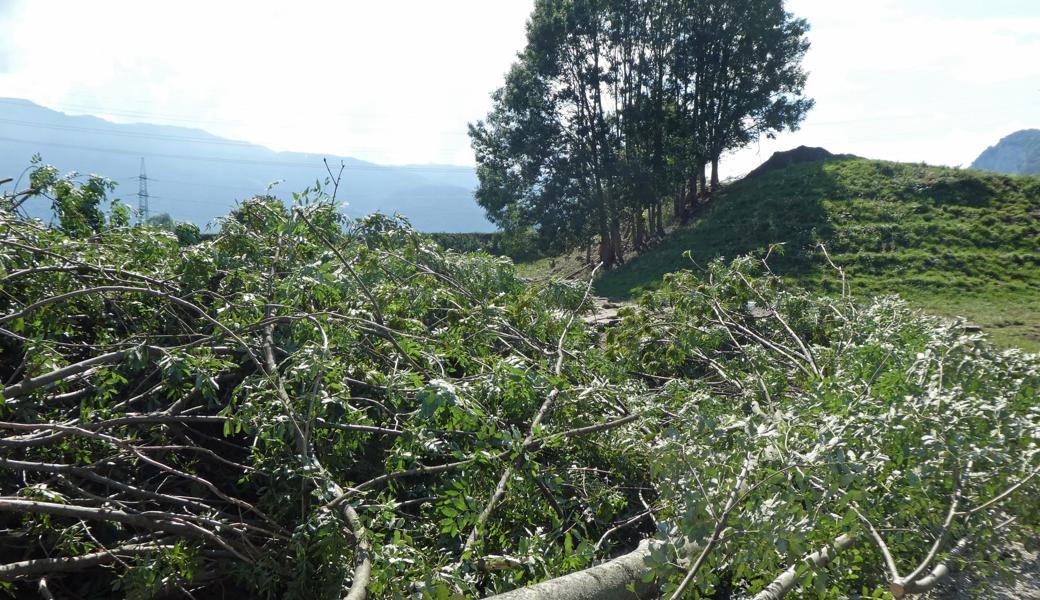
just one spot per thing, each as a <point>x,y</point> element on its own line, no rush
<point>396,81</point>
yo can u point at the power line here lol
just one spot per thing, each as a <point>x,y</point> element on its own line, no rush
<point>233,188</point>
<point>93,110</point>
<point>131,134</point>
<point>123,112</point>
<point>262,163</point>
<point>213,140</point>
<point>88,110</point>
<point>166,203</point>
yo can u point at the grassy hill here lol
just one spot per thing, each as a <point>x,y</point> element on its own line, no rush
<point>952,241</point>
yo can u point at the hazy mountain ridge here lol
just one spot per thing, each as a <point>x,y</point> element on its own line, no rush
<point>197,176</point>
<point>1016,154</point>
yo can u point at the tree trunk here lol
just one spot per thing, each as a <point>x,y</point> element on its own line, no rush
<point>608,581</point>
<point>691,196</point>
<point>679,206</point>
<point>606,250</point>
<point>715,184</point>
<point>617,241</point>
<point>702,180</point>
<point>639,237</point>
<point>659,221</point>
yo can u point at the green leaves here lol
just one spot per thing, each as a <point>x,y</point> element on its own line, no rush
<point>903,405</point>
<point>615,106</point>
<point>457,510</point>
<point>409,388</point>
<point>77,206</point>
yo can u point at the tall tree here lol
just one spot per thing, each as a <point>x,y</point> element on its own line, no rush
<point>545,154</point>
<point>616,104</point>
<point>758,78</point>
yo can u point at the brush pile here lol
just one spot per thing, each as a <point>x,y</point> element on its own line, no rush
<point>309,407</point>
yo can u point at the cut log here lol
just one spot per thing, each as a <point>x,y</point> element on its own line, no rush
<point>617,579</point>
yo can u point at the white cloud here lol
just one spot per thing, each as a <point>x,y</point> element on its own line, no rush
<point>396,81</point>
<point>393,81</point>
<point>915,81</point>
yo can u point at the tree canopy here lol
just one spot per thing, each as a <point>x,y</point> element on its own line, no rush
<point>615,105</point>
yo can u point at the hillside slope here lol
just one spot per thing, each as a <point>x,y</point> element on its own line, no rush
<point>196,176</point>
<point>955,242</point>
<point>1016,154</point>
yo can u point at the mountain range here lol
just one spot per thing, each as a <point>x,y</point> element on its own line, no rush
<point>1017,154</point>
<point>196,176</point>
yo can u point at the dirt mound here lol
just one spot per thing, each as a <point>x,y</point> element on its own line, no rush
<point>801,154</point>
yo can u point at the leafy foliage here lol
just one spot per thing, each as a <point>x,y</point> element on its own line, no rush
<point>519,245</point>
<point>272,411</point>
<point>840,416</point>
<point>391,353</point>
<point>78,207</point>
<point>615,105</point>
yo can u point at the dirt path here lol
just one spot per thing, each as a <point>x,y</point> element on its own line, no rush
<point>605,314</point>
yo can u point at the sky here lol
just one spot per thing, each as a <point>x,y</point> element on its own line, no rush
<point>396,81</point>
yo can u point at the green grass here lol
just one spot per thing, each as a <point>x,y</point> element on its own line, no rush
<point>954,242</point>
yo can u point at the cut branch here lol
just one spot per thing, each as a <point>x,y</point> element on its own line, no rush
<point>66,564</point>
<point>789,579</point>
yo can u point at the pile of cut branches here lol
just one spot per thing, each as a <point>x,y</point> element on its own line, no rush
<point>306,406</point>
<point>298,406</point>
<point>809,432</point>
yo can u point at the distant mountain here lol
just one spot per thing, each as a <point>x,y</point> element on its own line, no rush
<point>1017,154</point>
<point>196,176</point>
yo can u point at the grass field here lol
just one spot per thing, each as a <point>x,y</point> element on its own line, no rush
<point>954,242</point>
